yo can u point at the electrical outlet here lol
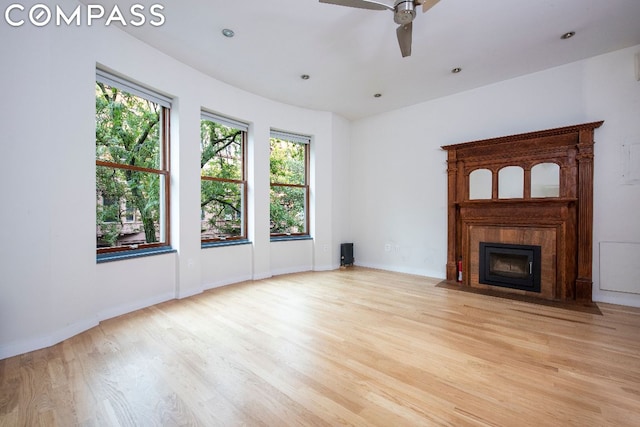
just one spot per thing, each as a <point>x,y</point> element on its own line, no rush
<point>387,247</point>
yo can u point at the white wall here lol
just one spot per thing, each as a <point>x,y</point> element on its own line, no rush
<point>398,214</point>
<point>342,188</point>
<point>47,282</point>
<point>51,287</point>
<point>613,94</point>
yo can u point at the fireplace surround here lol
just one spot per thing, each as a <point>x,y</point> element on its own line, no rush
<point>557,219</point>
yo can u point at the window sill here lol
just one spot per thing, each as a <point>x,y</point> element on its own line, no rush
<point>139,253</point>
<point>223,243</point>
<point>288,238</point>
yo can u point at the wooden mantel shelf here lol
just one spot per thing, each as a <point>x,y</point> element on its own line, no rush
<point>511,202</point>
<point>524,137</point>
<point>564,224</point>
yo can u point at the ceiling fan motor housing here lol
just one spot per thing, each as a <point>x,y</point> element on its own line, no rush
<point>405,12</point>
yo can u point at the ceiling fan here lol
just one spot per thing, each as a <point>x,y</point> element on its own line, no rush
<point>404,12</point>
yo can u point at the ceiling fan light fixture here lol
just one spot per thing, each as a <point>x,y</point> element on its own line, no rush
<point>228,33</point>
<point>405,12</point>
<point>568,35</point>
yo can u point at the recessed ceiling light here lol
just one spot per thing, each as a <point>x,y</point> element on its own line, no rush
<point>228,33</point>
<point>305,77</point>
<point>456,70</point>
<point>568,35</point>
<point>377,95</point>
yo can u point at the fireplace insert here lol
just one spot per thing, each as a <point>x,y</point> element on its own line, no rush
<point>510,266</point>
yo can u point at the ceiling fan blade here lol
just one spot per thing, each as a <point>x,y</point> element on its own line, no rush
<point>360,4</point>
<point>428,4</point>
<point>404,33</point>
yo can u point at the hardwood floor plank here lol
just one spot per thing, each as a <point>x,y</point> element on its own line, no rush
<point>353,347</point>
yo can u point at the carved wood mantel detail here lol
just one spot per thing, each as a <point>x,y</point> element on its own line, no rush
<point>561,225</point>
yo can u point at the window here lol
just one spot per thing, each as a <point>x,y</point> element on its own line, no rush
<point>223,185</point>
<point>110,209</point>
<point>130,213</point>
<point>289,167</point>
<point>132,166</point>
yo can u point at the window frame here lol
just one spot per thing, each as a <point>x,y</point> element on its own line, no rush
<point>164,172</point>
<point>306,142</point>
<point>244,128</point>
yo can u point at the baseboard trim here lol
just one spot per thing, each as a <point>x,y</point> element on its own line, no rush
<point>395,269</point>
<point>226,282</point>
<point>39,343</point>
<point>290,270</point>
<point>134,306</point>
<point>326,267</point>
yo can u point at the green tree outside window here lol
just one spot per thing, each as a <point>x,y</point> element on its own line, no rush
<point>289,193</point>
<point>223,184</point>
<point>131,170</point>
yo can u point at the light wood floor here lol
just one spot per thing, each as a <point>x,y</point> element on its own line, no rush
<point>349,347</point>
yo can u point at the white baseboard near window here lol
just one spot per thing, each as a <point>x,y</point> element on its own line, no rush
<point>133,306</point>
<point>289,270</point>
<point>226,282</point>
<point>55,337</point>
<point>262,276</point>
<point>329,267</point>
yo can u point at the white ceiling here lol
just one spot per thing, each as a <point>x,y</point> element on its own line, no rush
<point>351,54</point>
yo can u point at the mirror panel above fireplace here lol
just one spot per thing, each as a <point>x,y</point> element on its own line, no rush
<point>545,180</point>
<point>480,184</point>
<point>544,199</point>
<point>511,182</point>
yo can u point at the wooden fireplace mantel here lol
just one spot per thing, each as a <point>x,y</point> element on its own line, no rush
<point>561,225</point>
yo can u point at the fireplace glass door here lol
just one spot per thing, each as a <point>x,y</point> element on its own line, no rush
<point>510,266</point>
